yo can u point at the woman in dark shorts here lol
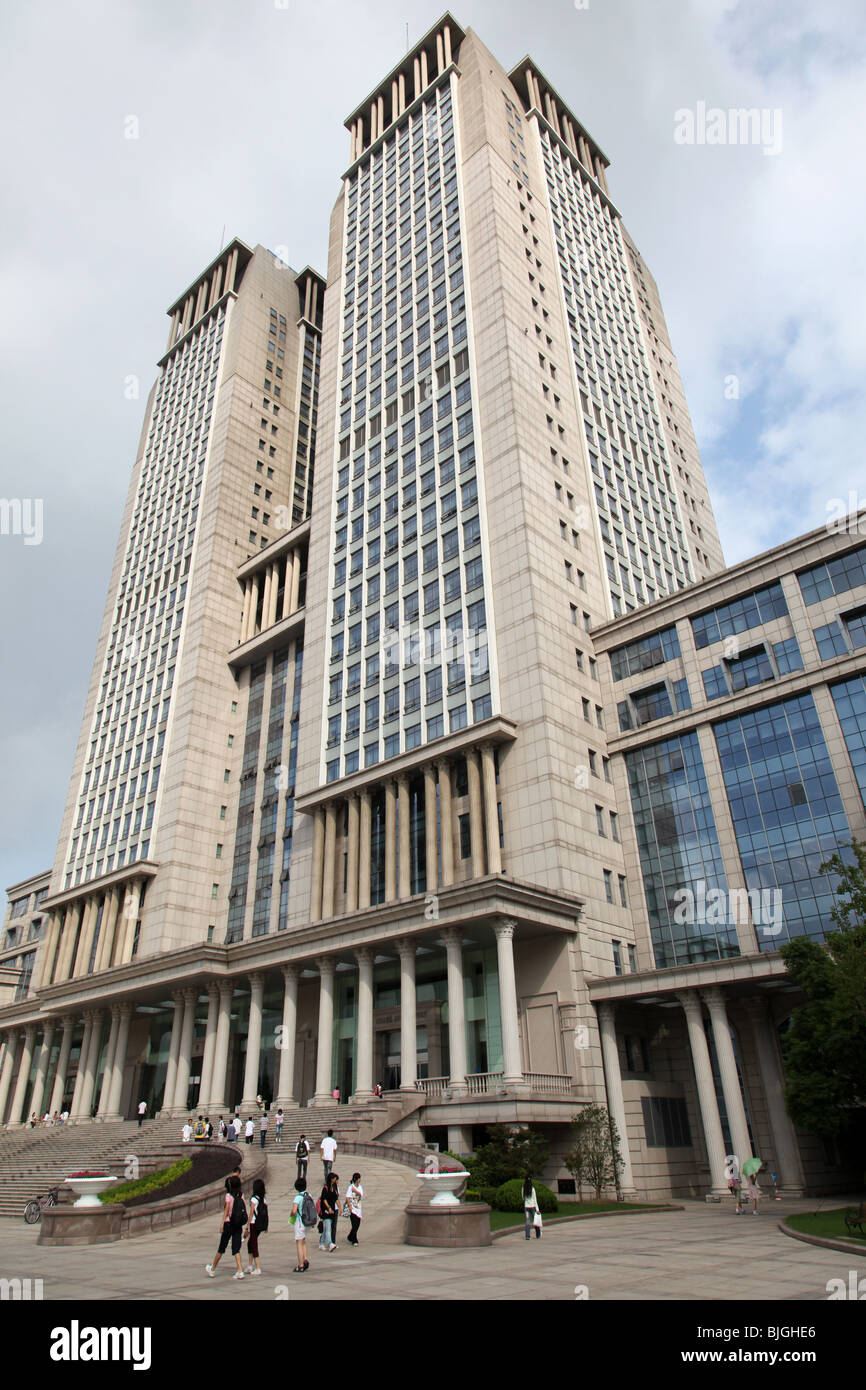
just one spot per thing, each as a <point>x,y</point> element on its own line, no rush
<point>230,1230</point>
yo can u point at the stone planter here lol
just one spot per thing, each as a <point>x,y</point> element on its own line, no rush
<point>457,1227</point>
<point>441,1189</point>
<point>87,1190</point>
<point>74,1225</point>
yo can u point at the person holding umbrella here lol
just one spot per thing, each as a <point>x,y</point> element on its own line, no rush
<point>751,1169</point>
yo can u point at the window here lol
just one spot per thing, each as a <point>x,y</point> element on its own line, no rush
<point>666,1122</point>
<point>837,576</point>
<point>617,958</point>
<point>608,885</point>
<point>599,820</point>
<point>465,836</point>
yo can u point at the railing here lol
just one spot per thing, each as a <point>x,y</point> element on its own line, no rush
<point>546,1081</point>
<point>481,1083</point>
<point>433,1085</point>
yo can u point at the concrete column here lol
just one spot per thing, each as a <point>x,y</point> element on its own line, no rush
<point>456,1011</point>
<point>736,1110</point>
<point>131,905</point>
<point>366,832</point>
<point>352,856</point>
<point>67,940</point>
<point>82,1059</point>
<point>446,829</point>
<point>408,1017</point>
<point>213,995</point>
<point>390,842</point>
<point>380,115</point>
<point>184,1055</point>
<point>296,581</point>
<point>49,946</point>
<point>41,1069</point>
<point>325,1041</point>
<point>788,1166</point>
<point>231,268</point>
<point>286,1079</point>
<point>59,1086</point>
<point>245,612</point>
<point>613,1088</point>
<point>105,949</point>
<point>329,871</point>
<point>395,100</point>
<point>431,855</point>
<point>364,1061</point>
<point>10,1059</point>
<point>173,1053</point>
<point>530,87</point>
<point>318,864</point>
<point>416,70</point>
<point>275,593</point>
<point>88,931</point>
<point>512,1066</point>
<point>254,605</point>
<point>85,1100</point>
<point>287,579</point>
<point>405,862</point>
<point>491,810</point>
<point>440,55</point>
<point>108,1069</point>
<point>254,1041</point>
<point>706,1091</point>
<point>475,822</point>
<point>374,117</point>
<point>401,88</point>
<point>118,1063</point>
<point>266,598</point>
<point>221,1048</point>
<point>19,1095</point>
<point>446,36</point>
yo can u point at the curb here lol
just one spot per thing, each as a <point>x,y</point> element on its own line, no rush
<point>846,1246</point>
<point>590,1216</point>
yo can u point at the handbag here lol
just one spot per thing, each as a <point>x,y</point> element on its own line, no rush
<point>344,1209</point>
<point>536,1220</point>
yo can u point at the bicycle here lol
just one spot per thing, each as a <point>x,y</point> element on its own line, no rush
<point>34,1209</point>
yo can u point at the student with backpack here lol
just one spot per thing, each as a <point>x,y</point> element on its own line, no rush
<point>258,1225</point>
<point>302,1156</point>
<point>232,1228</point>
<point>304,1217</point>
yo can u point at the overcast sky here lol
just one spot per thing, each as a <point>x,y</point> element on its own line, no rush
<point>239,107</point>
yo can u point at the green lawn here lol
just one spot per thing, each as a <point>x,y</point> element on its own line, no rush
<point>499,1220</point>
<point>829,1224</point>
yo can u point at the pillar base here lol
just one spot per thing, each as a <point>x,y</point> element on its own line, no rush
<point>281,1103</point>
<point>361,1097</point>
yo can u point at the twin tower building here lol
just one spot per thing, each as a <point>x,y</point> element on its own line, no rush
<point>429,745</point>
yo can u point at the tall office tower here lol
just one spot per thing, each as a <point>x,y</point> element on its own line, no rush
<point>222,446</point>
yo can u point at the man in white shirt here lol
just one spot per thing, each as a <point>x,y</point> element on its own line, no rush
<point>329,1152</point>
<point>142,1111</point>
<point>248,1132</point>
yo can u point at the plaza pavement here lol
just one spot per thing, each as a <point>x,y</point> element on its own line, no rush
<point>703,1252</point>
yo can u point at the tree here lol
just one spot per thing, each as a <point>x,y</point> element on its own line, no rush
<point>510,1152</point>
<point>596,1157</point>
<point>824,1050</point>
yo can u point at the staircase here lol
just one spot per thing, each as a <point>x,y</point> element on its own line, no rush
<point>33,1161</point>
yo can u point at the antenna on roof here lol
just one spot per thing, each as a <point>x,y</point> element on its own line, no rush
<point>223,238</point>
<point>407,36</point>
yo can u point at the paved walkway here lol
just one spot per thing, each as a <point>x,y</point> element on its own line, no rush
<point>701,1253</point>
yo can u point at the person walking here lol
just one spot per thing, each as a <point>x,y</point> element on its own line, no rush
<point>302,1156</point>
<point>279,1121</point>
<point>334,1194</point>
<point>354,1197</point>
<point>208,1128</point>
<point>249,1130</point>
<point>187,1132</point>
<point>199,1132</point>
<point>258,1225</point>
<point>222,1130</point>
<point>329,1151</point>
<point>336,1096</point>
<point>231,1131</point>
<point>530,1208</point>
<point>263,1128</point>
<point>232,1228</point>
<point>296,1219</point>
<point>753,1191</point>
<point>326,1215</point>
<point>142,1111</point>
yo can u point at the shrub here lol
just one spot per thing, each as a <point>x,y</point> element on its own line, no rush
<point>472,1196</point>
<point>509,1197</point>
<point>488,1195</point>
<point>151,1183</point>
<point>508,1154</point>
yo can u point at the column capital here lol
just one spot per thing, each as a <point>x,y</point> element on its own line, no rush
<point>691,1003</point>
<point>177,996</point>
<point>256,982</point>
<point>213,989</point>
<point>365,955</point>
<point>29,1031</point>
<point>607,1011</point>
<point>504,929</point>
<point>126,1009</point>
<point>402,779</point>
<point>714,999</point>
<point>290,972</point>
<point>443,766</point>
<point>406,948</point>
<point>227,989</point>
<point>190,994</point>
<point>326,966</point>
<point>452,936</point>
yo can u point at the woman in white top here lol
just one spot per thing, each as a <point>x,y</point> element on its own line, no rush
<point>354,1197</point>
<point>530,1207</point>
<point>187,1133</point>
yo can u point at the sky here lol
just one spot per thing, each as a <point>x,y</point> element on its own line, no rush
<point>237,108</point>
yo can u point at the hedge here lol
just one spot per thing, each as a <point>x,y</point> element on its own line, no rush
<point>151,1183</point>
<point>509,1197</point>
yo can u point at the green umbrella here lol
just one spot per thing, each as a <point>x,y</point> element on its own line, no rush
<point>751,1165</point>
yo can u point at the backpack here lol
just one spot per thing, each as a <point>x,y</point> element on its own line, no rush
<point>261,1216</point>
<point>239,1212</point>
<point>307,1210</point>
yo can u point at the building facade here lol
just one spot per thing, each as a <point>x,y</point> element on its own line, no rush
<point>365,793</point>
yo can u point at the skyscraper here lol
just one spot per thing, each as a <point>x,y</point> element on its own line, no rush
<point>358,800</point>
